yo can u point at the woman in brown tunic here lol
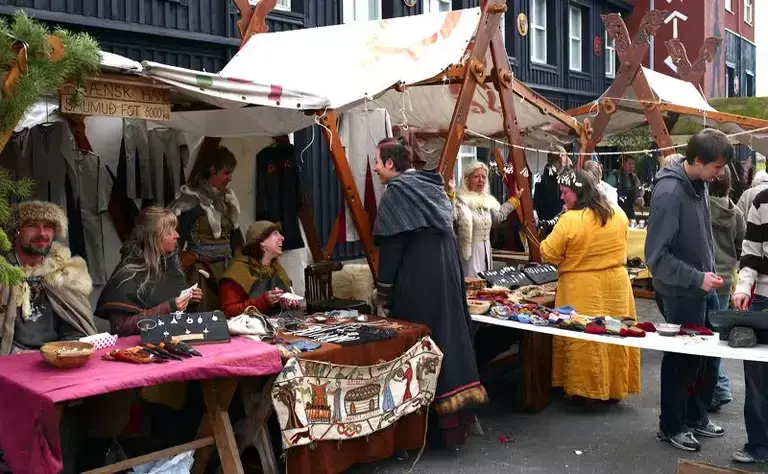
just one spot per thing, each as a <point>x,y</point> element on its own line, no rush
<point>209,229</point>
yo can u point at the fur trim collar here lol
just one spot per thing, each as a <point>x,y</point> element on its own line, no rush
<point>476,201</point>
<point>191,198</point>
<point>61,272</point>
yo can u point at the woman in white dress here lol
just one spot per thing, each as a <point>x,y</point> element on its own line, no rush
<point>476,212</point>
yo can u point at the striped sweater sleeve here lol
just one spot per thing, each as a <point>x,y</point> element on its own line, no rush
<point>754,258</point>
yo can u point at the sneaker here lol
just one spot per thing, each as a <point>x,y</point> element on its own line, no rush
<point>716,405</point>
<point>710,430</point>
<point>743,456</point>
<point>683,440</point>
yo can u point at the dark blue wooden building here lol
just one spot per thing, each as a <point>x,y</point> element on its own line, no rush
<point>565,55</point>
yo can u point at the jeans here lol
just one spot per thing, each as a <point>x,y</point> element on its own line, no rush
<point>756,399</point>
<point>723,388</point>
<point>687,381</point>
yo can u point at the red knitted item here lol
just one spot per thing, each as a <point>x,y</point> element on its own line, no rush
<point>700,330</point>
<point>628,333</point>
<point>593,328</point>
<point>646,326</point>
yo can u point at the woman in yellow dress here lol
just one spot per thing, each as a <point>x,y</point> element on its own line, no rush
<point>589,246</point>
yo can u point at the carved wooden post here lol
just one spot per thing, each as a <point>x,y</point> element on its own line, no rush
<point>686,71</point>
<point>631,54</point>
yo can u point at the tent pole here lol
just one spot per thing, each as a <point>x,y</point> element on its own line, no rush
<point>474,74</point>
<point>504,81</point>
<point>351,195</point>
<point>631,54</point>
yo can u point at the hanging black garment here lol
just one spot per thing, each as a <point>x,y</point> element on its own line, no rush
<point>278,191</point>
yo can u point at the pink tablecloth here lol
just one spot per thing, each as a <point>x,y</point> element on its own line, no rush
<point>30,388</point>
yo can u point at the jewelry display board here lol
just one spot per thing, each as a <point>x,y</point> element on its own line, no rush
<point>508,277</point>
<point>192,328</point>
<point>540,274</point>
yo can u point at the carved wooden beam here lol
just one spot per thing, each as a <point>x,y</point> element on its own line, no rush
<point>692,72</point>
<point>474,74</point>
<point>504,83</point>
<point>630,74</point>
<point>258,21</point>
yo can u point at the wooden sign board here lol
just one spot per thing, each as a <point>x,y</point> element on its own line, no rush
<point>104,97</point>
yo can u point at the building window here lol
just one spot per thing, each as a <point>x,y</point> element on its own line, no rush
<point>284,5</point>
<point>610,56</point>
<point>748,11</point>
<point>730,84</point>
<point>574,31</point>
<point>361,10</point>
<point>467,154</point>
<point>538,31</point>
<point>503,26</point>
<point>729,5</point>
<point>749,87</point>
<point>434,6</point>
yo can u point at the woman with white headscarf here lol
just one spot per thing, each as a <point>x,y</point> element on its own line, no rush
<point>476,211</point>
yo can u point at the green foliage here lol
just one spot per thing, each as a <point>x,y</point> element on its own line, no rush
<point>639,138</point>
<point>43,77</point>
<point>81,57</point>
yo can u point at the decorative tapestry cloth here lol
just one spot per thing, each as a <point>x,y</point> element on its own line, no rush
<point>323,401</point>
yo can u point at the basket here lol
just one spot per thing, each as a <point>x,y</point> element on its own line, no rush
<point>478,307</point>
<point>475,284</point>
<point>67,355</point>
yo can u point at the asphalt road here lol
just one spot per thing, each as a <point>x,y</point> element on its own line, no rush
<point>565,439</point>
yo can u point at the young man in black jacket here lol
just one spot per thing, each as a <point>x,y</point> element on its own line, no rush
<point>679,251</point>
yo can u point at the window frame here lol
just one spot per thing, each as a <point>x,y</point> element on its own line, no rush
<point>433,6</point>
<point>278,6</point>
<point>749,6</point>
<point>729,6</point>
<point>610,55</point>
<point>573,11</point>
<point>535,14</point>
<point>349,7</point>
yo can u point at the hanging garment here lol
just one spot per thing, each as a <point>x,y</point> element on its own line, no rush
<point>360,132</point>
<point>12,156</point>
<point>135,153</point>
<point>278,191</point>
<point>50,150</point>
<point>94,185</point>
<point>169,155</point>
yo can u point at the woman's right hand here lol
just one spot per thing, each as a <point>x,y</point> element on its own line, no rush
<point>452,185</point>
<point>182,301</point>
<point>273,296</point>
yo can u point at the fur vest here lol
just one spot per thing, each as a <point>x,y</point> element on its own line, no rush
<point>469,204</point>
<point>68,286</point>
<point>192,197</point>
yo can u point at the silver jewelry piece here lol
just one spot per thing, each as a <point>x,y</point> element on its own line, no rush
<point>160,322</point>
<point>187,331</point>
<point>199,320</point>
<point>166,333</point>
<point>146,324</point>
<point>205,331</point>
<point>189,321</point>
<point>214,317</point>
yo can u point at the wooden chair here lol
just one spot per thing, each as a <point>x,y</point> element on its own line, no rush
<point>318,290</point>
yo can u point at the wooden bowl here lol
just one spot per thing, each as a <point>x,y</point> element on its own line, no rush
<point>67,354</point>
<point>474,283</point>
<point>478,307</point>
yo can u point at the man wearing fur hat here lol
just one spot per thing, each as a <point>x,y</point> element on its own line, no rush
<point>52,302</point>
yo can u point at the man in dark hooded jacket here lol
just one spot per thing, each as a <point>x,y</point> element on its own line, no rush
<point>679,251</point>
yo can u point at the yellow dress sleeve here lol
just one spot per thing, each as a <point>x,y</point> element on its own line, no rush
<point>554,246</point>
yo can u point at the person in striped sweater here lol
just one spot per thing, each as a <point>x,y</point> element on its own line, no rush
<point>753,274</point>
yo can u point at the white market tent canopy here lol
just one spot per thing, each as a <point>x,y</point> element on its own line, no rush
<point>676,96</point>
<point>275,82</point>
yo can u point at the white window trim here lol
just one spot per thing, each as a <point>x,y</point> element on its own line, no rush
<point>610,55</point>
<point>754,84</point>
<point>433,6</point>
<point>572,38</point>
<point>466,154</point>
<point>284,5</point>
<point>535,26</point>
<point>348,11</point>
<point>749,17</point>
<point>729,5</point>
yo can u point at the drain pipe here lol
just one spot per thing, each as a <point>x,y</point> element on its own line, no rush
<point>653,40</point>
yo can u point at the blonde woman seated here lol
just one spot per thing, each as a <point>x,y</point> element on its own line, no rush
<point>476,211</point>
<point>589,246</point>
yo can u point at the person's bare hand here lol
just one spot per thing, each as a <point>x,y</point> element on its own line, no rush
<point>740,301</point>
<point>519,193</point>
<point>711,282</point>
<point>273,296</point>
<point>196,296</point>
<point>182,301</point>
<point>452,185</point>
